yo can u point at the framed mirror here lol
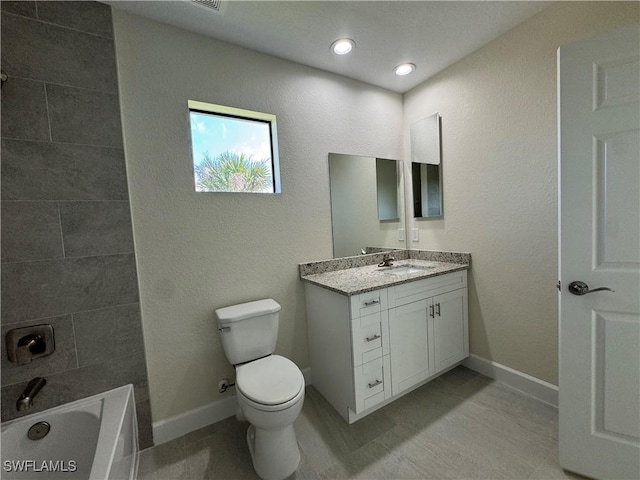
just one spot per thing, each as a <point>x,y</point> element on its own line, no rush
<point>367,204</point>
<point>426,167</point>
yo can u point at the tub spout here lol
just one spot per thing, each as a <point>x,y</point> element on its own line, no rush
<point>26,399</point>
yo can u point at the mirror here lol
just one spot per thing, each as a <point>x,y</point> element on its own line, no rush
<point>426,167</point>
<point>367,203</point>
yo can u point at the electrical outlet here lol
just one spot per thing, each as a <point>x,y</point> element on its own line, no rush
<point>415,235</point>
<point>401,234</point>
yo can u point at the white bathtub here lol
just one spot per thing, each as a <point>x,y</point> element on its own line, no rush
<point>92,438</point>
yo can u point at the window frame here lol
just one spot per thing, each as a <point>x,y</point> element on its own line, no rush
<point>241,114</point>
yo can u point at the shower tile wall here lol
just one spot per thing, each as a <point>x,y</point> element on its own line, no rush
<point>67,244</point>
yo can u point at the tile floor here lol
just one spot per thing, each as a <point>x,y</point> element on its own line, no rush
<point>459,426</point>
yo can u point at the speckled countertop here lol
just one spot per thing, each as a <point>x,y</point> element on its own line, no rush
<point>354,280</point>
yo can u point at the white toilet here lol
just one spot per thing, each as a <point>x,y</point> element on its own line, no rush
<point>270,388</point>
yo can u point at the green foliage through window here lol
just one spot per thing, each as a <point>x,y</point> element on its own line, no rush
<point>233,150</point>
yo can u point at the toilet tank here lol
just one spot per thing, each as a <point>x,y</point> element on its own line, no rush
<point>249,330</point>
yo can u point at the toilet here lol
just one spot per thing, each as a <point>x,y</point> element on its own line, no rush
<point>269,388</point>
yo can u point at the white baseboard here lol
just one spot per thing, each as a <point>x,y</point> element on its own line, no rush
<point>173,427</point>
<point>543,391</point>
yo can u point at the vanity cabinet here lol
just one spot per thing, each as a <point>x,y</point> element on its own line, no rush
<point>367,348</point>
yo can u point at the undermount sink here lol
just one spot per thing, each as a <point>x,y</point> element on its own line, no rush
<point>406,269</point>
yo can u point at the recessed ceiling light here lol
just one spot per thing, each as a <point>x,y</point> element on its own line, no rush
<point>404,69</point>
<point>343,46</point>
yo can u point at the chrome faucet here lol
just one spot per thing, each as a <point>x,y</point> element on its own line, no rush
<point>387,261</point>
<point>25,401</point>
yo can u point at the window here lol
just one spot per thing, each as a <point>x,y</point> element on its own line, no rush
<point>233,150</point>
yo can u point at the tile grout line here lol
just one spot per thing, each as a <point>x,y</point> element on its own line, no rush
<point>46,103</point>
<point>115,254</point>
<point>41,319</point>
<point>61,230</point>
<point>45,22</point>
<point>29,140</point>
<point>75,340</point>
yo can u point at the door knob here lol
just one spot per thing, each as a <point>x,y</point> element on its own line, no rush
<point>581,288</point>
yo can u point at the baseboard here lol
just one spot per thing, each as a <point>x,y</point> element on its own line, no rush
<point>543,391</point>
<point>173,427</point>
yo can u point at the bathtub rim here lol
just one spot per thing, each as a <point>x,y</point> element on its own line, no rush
<point>113,403</point>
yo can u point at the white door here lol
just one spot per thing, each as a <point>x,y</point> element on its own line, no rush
<point>409,333</point>
<point>451,338</point>
<point>599,244</point>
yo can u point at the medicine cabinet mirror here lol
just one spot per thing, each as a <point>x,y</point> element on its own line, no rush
<point>367,204</point>
<point>426,167</point>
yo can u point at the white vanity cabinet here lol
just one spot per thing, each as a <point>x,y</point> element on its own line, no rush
<point>367,348</point>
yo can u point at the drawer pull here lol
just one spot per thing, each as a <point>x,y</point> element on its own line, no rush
<point>375,301</point>
<point>438,309</point>
<point>431,314</point>
<point>375,384</point>
<point>373,337</point>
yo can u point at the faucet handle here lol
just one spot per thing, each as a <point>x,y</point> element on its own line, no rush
<point>25,344</point>
<point>27,347</point>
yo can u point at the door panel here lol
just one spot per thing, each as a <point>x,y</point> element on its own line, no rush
<point>409,331</point>
<point>449,328</point>
<point>599,244</point>
<point>617,194</point>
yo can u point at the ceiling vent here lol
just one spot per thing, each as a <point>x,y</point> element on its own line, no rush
<point>215,5</point>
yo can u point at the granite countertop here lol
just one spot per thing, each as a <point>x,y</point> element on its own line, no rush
<point>351,281</point>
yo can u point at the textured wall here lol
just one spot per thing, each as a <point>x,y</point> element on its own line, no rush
<point>199,252</point>
<point>498,108</point>
<point>67,243</point>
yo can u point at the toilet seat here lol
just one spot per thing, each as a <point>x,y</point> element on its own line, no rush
<point>270,383</point>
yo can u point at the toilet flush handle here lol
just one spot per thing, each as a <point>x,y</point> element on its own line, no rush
<point>224,329</point>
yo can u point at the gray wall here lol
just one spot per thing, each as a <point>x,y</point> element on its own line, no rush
<point>499,148</point>
<point>67,245</point>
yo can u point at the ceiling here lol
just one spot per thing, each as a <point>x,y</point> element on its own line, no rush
<point>430,34</point>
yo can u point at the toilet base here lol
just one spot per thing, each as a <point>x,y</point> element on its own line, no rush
<point>275,453</point>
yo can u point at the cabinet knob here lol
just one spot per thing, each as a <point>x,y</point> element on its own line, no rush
<point>431,314</point>
<point>374,384</point>
<point>438,309</point>
<point>375,301</point>
<point>372,338</point>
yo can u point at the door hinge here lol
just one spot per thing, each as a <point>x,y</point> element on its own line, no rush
<point>559,286</point>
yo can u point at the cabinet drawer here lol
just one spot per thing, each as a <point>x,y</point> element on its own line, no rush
<point>372,383</point>
<point>368,303</point>
<point>370,337</point>
<point>421,289</point>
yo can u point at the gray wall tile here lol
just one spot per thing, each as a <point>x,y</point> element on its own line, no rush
<point>33,290</point>
<point>24,108</point>
<point>33,49</point>
<point>91,17</point>
<point>28,9</point>
<point>63,357</point>
<point>80,383</point>
<point>62,68</point>
<point>96,228</point>
<point>145,433</point>
<point>84,116</point>
<point>121,325</point>
<point>51,171</point>
<point>30,231</point>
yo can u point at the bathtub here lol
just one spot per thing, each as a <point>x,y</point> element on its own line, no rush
<point>92,438</point>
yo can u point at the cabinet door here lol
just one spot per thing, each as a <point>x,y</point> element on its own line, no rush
<point>451,337</point>
<point>409,332</point>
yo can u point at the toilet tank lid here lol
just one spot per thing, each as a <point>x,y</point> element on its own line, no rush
<point>243,311</point>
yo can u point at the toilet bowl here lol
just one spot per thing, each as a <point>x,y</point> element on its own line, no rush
<point>269,388</point>
<point>270,394</point>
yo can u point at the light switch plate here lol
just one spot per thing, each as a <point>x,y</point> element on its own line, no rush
<point>415,235</point>
<point>401,234</point>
